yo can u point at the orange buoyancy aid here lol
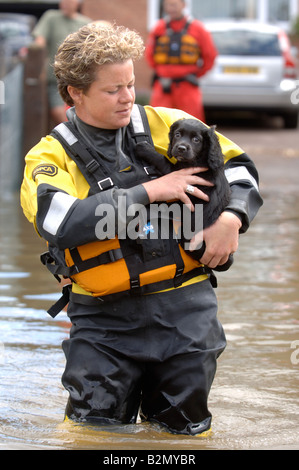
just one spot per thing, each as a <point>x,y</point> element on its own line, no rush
<point>128,272</point>
<point>176,47</point>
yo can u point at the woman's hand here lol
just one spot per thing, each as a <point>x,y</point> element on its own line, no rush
<point>221,239</point>
<point>174,185</point>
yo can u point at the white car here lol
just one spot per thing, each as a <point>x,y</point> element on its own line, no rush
<point>15,37</point>
<point>254,71</point>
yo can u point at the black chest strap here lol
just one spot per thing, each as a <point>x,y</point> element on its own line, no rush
<point>88,162</point>
<point>95,174</point>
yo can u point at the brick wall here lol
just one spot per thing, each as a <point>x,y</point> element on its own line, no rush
<point>129,13</point>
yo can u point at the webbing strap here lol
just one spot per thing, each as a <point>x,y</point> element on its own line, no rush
<point>56,269</point>
<point>79,264</point>
<point>139,125</point>
<point>177,280</point>
<point>95,174</point>
<point>67,293</point>
<point>61,302</point>
<point>136,268</point>
<point>183,31</point>
<point>104,258</point>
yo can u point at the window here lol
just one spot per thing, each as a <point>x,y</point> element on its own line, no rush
<point>279,10</point>
<point>246,43</point>
<point>229,9</point>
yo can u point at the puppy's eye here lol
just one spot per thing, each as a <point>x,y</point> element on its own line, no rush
<point>177,135</point>
<point>196,140</point>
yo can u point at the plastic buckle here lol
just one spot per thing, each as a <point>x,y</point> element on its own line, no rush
<point>134,283</point>
<point>105,186</point>
<point>179,272</point>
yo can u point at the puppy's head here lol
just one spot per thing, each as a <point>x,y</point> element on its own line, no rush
<point>186,141</point>
<point>194,144</point>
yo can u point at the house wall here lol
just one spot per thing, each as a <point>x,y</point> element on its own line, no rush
<point>132,14</point>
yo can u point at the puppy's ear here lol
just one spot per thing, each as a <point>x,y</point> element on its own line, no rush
<point>213,150</point>
<point>172,129</point>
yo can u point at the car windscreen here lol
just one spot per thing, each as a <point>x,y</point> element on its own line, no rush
<point>246,43</point>
<point>10,29</point>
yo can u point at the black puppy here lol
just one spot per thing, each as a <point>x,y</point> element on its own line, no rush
<point>195,145</point>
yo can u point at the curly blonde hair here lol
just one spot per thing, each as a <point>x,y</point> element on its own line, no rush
<point>79,56</point>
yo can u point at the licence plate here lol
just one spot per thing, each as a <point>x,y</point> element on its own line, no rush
<point>240,70</point>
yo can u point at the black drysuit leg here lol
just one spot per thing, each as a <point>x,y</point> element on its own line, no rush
<point>156,351</point>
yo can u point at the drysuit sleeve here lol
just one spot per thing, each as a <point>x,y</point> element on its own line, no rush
<point>243,178</point>
<point>206,45</point>
<point>54,197</point>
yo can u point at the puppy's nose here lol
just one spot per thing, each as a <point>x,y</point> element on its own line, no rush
<point>182,148</point>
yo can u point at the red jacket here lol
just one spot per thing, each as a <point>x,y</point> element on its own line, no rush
<point>205,42</point>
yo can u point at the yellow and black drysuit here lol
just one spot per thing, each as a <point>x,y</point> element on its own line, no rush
<point>153,340</point>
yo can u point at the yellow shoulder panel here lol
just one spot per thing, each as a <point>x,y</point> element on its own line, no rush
<point>160,120</point>
<point>48,163</point>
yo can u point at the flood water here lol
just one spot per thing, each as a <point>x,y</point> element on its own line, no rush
<point>254,399</point>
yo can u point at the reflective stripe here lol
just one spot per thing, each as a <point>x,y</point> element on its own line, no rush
<point>137,120</point>
<point>66,134</point>
<point>238,174</point>
<point>59,207</point>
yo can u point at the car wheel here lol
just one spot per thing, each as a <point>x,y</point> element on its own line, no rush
<point>291,120</point>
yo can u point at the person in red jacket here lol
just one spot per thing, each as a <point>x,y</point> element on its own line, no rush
<point>180,50</point>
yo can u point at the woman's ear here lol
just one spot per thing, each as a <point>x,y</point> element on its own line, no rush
<point>75,94</point>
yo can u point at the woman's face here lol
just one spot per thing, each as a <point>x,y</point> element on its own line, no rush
<point>108,102</point>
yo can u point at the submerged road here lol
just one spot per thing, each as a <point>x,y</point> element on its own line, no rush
<point>275,150</point>
<point>254,399</point>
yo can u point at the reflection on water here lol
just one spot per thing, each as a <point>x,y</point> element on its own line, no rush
<point>254,399</point>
